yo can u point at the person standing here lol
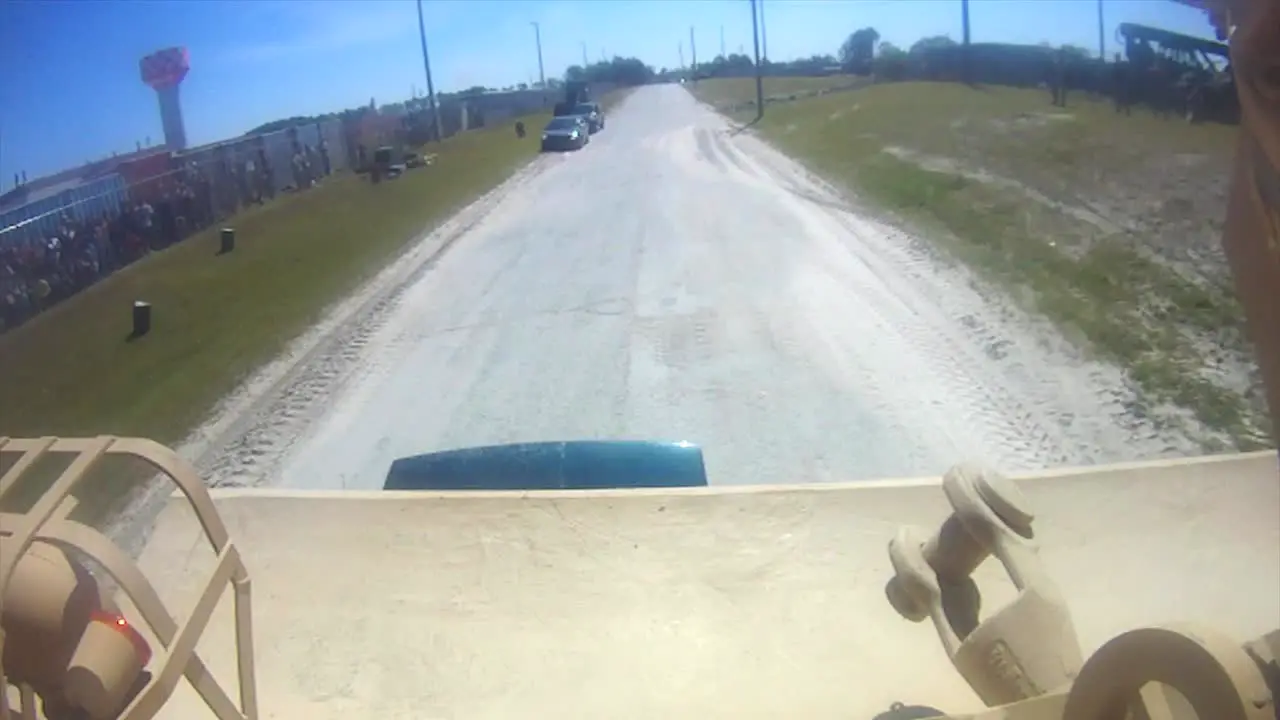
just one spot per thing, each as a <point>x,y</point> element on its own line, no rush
<point>324,157</point>
<point>1058,78</point>
<point>1120,90</point>
<point>265,175</point>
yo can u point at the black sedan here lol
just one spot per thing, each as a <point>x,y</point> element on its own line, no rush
<point>565,133</point>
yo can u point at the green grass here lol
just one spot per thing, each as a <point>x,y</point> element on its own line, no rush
<point>216,319</point>
<point>739,94</point>
<point>1096,285</point>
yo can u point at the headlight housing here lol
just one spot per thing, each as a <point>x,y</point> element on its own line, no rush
<point>544,136</point>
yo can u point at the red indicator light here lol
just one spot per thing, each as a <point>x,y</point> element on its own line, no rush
<point>121,625</point>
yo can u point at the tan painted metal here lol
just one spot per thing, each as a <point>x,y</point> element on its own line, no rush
<point>1030,646</point>
<point>706,602</point>
<point>1025,660</point>
<point>88,672</point>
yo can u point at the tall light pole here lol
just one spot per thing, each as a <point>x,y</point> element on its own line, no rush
<point>764,35</point>
<point>537,36</point>
<point>722,55</point>
<point>964,59</point>
<point>755,36</point>
<point>585,62</point>
<point>693,50</point>
<point>431,88</point>
<point>1102,36</point>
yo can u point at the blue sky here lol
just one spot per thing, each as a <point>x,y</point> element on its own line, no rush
<point>70,92</point>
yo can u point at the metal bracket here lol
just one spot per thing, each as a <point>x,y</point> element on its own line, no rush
<point>1028,648</point>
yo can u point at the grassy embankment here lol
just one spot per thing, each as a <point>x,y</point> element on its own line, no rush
<point>219,318</point>
<point>737,96</point>
<point>1106,224</point>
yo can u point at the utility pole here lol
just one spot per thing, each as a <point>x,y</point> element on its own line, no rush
<point>764,35</point>
<point>585,62</point>
<point>755,34</point>
<point>680,49</point>
<point>1102,36</point>
<point>693,50</point>
<point>431,88</point>
<point>964,18</point>
<point>537,36</point>
<point>722,55</point>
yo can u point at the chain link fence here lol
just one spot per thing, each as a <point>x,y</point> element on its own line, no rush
<point>81,230</point>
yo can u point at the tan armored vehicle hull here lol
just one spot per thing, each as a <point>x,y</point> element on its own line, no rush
<point>1049,597</point>
<point>708,602</point>
<point>714,603</point>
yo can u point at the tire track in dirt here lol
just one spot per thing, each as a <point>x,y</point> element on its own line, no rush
<point>260,442</point>
<point>982,360</point>
<point>1021,437</point>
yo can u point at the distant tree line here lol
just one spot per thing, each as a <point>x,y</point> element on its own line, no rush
<point>862,53</point>
<point>740,65</point>
<point>618,71</point>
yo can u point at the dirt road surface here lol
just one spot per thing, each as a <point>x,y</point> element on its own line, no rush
<point>676,280</point>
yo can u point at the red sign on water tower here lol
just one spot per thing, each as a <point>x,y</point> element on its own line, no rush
<point>165,68</point>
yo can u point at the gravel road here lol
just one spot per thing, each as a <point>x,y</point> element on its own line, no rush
<point>675,280</point>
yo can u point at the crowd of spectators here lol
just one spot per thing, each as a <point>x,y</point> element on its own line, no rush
<point>38,272</point>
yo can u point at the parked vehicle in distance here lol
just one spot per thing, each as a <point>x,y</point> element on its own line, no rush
<point>569,132</point>
<point>385,165</point>
<point>594,115</point>
<point>575,91</point>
